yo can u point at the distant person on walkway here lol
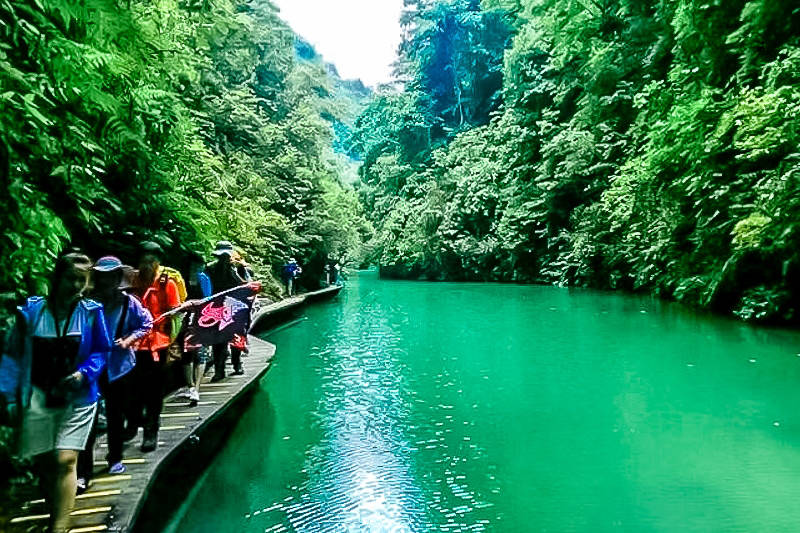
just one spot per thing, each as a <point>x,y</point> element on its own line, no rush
<point>224,275</point>
<point>195,358</point>
<point>127,321</point>
<point>289,274</point>
<point>332,271</point>
<point>158,291</point>
<point>337,272</point>
<point>50,370</point>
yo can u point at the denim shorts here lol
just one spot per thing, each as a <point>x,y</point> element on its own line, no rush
<point>197,355</point>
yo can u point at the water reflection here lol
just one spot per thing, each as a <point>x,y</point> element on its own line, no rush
<point>357,473</point>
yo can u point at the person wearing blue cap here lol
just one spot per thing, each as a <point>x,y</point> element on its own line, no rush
<point>289,274</point>
<point>127,321</point>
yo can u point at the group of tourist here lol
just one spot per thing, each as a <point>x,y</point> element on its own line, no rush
<point>292,270</point>
<point>107,330</point>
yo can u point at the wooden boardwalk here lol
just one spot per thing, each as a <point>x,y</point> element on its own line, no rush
<point>269,315</point>
<point>113,503</point>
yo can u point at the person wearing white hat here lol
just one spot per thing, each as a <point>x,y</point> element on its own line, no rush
<point>159,292</point>
<point>224,276</point>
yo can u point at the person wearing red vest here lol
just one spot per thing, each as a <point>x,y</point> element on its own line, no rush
<point>159,294</point>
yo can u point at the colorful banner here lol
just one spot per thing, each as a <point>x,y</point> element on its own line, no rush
<point>222,317</point>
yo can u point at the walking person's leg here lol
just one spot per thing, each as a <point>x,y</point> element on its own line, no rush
<point>85,464</point>
<point>193,373</point>
<point>63,491</point>
<point>154,400</point>
<point>188,359</point>
<point>116,393</point>
<point>130,404</point>
<point>73,436</point>
<point>199,367</point>
<point>189,367</point>
<point>209,366</point>
<point>236,360</point>
<point>220,358</point>
<point>136,394</point>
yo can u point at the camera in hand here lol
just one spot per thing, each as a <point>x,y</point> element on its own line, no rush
<point>53,360</point>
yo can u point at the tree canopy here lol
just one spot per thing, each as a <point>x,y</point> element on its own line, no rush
<point>179,121</point>
<point>605,143</point>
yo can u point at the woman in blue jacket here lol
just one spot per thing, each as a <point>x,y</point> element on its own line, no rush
<point>53,361</point>
<point>127,321</point>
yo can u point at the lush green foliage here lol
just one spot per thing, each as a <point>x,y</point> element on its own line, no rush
<point>181,121</point>
<point>639,145</point>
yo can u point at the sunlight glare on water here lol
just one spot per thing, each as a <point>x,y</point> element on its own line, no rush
<point>414,407</point>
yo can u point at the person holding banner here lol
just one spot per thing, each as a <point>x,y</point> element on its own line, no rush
<point>224,276</point>
<point>194,356</point>
<point>242,268</point>
<point>246,273</point>
<point>158,291</point>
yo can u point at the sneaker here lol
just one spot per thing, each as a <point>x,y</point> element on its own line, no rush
<point>238,372</point>
<point>81,486</point>
<point>217,378</point>
<point>149,443</point>
<point>117,468</point>
<point>194,395</point>
<point>183,392</point>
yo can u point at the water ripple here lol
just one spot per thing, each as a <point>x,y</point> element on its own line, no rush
<point>364,472</point>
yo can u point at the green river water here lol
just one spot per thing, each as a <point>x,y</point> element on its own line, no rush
<point>407,406</point>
